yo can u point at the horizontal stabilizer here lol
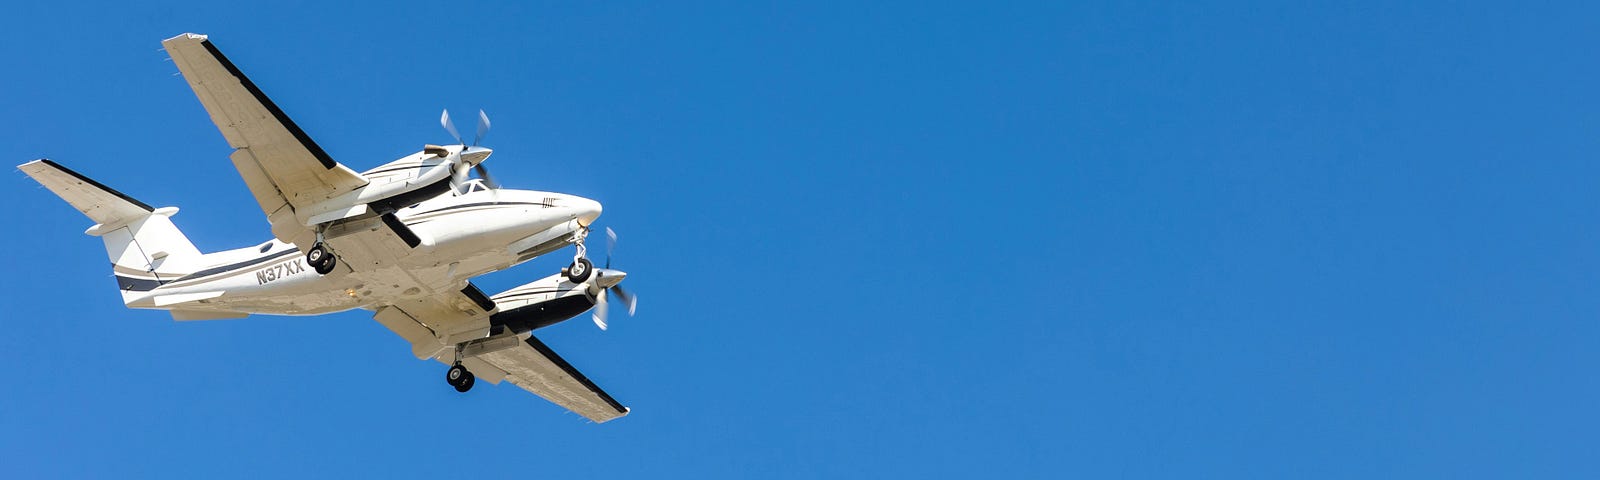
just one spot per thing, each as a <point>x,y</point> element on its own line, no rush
<point>100,203</point>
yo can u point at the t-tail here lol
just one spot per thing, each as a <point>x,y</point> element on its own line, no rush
<point>145,248</point>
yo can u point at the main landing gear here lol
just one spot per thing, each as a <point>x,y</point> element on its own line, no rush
<point>581,267</point>
<point>459,377</point>
<point>320,259</point>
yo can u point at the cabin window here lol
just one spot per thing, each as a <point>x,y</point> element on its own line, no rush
<point>266,246</point>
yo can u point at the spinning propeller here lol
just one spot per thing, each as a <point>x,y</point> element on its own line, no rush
<point>470,155</point>
<point>614,278</point>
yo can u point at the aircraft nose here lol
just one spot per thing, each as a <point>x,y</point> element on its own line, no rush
<point>585,209</point>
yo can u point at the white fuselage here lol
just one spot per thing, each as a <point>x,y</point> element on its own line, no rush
<point>460,236</point>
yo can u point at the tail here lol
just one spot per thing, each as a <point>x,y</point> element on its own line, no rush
<point>145,248</point>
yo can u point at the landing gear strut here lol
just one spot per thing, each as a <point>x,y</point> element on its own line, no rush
<point>319,258</point>
<point>459,377</point>
<point>581,268</point>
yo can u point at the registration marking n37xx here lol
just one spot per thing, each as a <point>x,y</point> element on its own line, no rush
<point>280,271</point>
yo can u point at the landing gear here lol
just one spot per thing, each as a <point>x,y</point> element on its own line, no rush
<point>327,266</point>
<point>580,268</point>
<point>320,259</point>
<point>459,377</point>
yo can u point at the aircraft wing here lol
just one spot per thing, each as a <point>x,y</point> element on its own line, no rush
<point>434,324</point>
<point>536,368</point>
<point>279,162</point>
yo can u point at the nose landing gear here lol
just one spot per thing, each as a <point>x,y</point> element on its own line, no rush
<point>581,267</point>
<point>579,270</point>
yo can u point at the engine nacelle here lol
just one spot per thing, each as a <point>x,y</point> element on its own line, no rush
<point>418,176</point>
<point>398,184</point>
<point>541,303</point>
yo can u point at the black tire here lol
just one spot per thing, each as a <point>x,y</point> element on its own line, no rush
<point>466,382</point>
<point>317,255</point>
<point>580,270</point>
<point>327,265</point>
<point>455,375</point>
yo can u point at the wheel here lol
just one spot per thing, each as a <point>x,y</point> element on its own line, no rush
<point>580,270</point>
<point>455,375</point>
<point>466,382</point>
<point>327,265</point>
<point>316,255</point>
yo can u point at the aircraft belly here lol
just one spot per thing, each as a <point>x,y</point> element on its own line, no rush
<point>314,303</point>
<point>285,286</point>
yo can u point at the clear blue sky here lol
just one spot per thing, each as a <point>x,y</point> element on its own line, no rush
<point>1110,239</point>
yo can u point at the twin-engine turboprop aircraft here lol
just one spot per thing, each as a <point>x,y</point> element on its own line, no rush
<point>402,240</point>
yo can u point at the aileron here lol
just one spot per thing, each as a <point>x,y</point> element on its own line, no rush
<point>537,369</point>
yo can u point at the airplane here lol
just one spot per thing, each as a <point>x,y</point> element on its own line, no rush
<point>403,240</point>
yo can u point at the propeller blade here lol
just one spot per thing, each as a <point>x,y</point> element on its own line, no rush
<point>483,127</point>
<point>449,126</point>
<point>483,173</point>
<point>628,298</point>
<point>611,244</point>
<point>458,174</point>
<point>600,311</point>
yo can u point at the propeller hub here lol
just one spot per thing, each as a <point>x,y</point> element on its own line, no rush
<point>608,281</point>
<point>474,155</point>
<point>608,278</point>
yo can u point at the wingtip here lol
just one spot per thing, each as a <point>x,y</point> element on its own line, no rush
<point>624,412</point>
<point>33,166</point>
<point>183,36</point>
